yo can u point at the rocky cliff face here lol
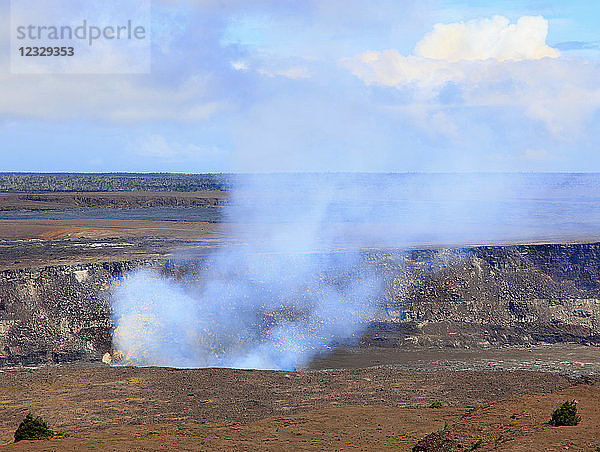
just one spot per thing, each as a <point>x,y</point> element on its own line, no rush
<point>484,296</point>
<point>496,296</point>
<point>56,314</point>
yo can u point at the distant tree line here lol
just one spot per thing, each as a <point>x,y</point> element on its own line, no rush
<point>66,182</point>
<point>96,182</point>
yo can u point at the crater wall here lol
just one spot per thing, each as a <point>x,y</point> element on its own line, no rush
<point>474,297</point>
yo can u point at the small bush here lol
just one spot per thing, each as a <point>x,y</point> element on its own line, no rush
<point>520,415</point>
<point>436,405</point>
<point>566,414</point>
<point>62,434</point>
<point>33,428</point>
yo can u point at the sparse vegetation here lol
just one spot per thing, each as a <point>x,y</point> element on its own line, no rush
<point>565,414</point>
<point>62,434</point>
<point>436,405</point>
<point>517,416</point>
<point>33,428</point>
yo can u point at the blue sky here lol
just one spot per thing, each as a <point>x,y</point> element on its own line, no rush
<point>325,85</point>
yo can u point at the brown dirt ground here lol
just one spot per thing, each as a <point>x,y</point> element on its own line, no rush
<point>126,408</point>
<point>101,229</point>
<point>41,243</point>
<point>521,423</point>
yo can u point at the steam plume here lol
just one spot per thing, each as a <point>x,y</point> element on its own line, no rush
<point>274,300</point>
<point>293,279</point>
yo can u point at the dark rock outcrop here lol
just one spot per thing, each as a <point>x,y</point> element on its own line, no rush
<point>500,296</point>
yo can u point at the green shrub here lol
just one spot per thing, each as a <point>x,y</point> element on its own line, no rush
<point>436,405</point>
<point>33,428</point>
<point>566,414</point>
<point>62,434</point>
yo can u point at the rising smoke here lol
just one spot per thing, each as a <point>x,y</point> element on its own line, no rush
<point>293,281</point>
<point>280,292</point>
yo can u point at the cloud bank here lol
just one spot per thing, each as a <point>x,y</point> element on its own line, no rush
<point>442,55</point>
<point>489,63</point>
<point>484,39</point>
<point>263,81</point>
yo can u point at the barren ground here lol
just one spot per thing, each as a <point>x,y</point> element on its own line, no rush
<point>124,408</point>
<point>359,408</point>
<point>40,243</point>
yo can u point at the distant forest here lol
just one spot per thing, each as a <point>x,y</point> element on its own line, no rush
<point>111,182</point>
<point>65,182</point>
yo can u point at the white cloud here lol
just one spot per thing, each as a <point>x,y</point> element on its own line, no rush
<point>484,39</point>
<point>295,72</point>
<point>390,68</point>
<point>114,98</point>
<point>443,55</point>
<point>193,97</point>
<point>240,65</point>
<point>157,146</point>
<point>530,158</point>
<point>273,68</point>
<point>491,63</point>
<point>563,94</point>
<point>536,154</point>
